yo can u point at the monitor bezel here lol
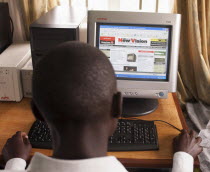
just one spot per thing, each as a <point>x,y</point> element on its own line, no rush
<point>133,88</point>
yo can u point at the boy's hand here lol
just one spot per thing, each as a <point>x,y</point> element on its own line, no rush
<point>186,142</point>
<point>17,147</point>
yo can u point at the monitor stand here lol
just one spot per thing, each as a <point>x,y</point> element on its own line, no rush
<point>134,107</point>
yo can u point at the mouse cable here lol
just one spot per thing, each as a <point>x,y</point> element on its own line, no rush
<point>133,118</point>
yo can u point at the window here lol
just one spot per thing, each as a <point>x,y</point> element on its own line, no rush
<point>64,2</point>
<point>131,5</point>
<point>164,6</point>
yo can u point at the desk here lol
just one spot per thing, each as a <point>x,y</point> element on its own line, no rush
<point>18,117</point>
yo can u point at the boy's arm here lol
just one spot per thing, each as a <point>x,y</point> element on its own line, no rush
<point>182,162</point>
<point>186,148</point>
<point>15,164</point>
<point>16,151</point>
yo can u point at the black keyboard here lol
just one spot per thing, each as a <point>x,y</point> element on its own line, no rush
<point>130,135</point>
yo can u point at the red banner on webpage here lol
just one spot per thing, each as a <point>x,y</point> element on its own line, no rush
<point>142,51</point>
<point>107,40</point>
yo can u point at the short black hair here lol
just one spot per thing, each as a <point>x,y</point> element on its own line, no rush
<point>74,81</point>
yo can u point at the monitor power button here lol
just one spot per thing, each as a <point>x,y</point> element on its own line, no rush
<point>161,94</point>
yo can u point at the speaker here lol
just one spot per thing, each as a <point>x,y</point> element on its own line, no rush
<point>6,30</point>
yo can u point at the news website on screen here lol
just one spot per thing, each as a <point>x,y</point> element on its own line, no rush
<point>136,52</point>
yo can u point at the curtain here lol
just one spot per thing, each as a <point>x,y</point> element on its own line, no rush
<point>19,34</point>
<point>194,66</point>
<point>194,55</point>
<point>33,9</point>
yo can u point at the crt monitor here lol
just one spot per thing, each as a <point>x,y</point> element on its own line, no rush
<point>143,49</point>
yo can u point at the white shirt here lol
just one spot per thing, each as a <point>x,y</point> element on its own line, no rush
<point>182,162</point>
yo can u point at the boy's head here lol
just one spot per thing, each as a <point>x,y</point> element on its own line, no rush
<point>75,83</point>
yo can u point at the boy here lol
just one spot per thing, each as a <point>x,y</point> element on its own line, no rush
<point>74,89</point>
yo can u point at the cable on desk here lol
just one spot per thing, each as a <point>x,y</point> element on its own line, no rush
<point>134,118</point>
<point>168,124</point>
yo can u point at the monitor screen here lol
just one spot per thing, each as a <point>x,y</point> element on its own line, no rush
<point>137,52</point>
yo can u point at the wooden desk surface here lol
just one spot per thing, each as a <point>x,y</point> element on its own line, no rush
<point>18,117</point>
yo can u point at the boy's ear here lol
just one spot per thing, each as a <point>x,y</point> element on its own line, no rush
<point>36,111</point>
<point>117,105</point>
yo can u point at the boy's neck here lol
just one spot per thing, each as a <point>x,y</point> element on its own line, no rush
<point>80,144</point>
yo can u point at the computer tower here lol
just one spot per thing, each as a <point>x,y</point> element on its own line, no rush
<point>5,27</point>
<point>59,25</point>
